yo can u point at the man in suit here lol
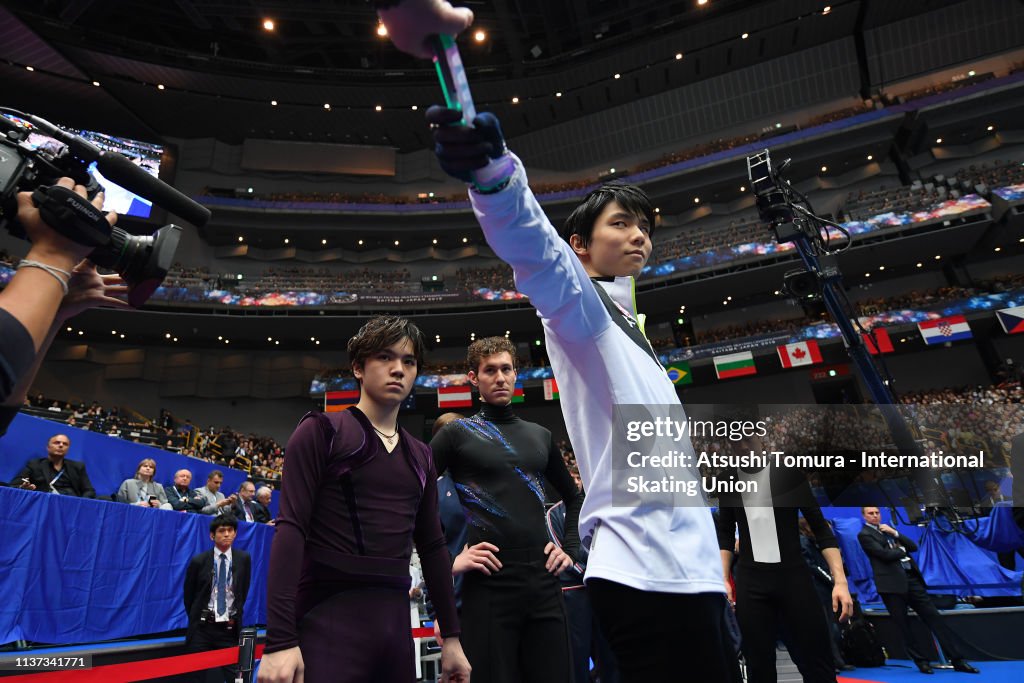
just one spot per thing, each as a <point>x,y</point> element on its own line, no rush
<point>54,473</point>
<point>900,584</point>
<point>215,502</point>
<point>216,586</point>
<point>248,509</point>
<point>181,497</point>
<point>263,496</point>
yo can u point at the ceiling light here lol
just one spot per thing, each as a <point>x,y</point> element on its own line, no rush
<point>113,332</point>
<point>227,341</point>
<point>919,264</point>
<point>175,339</point>
<point>122,336</point>
<point>241,239</point>
<point>998,248</point>
<point>558,94</point>
<point>396,243</point>
<point>378,108</point>
<point>867,274</point>
<point>991,128</point>
<point>360,243</point>
<point>743,188</point>
<point>479,36</point>
<point>870,157</point>
<point>382,30</point>
<point>286,240</point>
<point>80,332</point>
<point>826,9</point>
<point>327,106</point>
<point>167,335</point>
<point>30,68</point>
<point>465,239</point>
<point>696,200</point>
<point>938,141</point>
<point>414,107</point>
<point>270,339</point>
<point>69,329</point>
<point>515,100</point>
<point>657,210</point>
<point>277,343</point>
<point>220,337</point>
<point>745,36</point>
<point>824,168</point>
<point>323,241</point>
<point>702,2</point>
<point>268,24</point>
<point>160,86</point>
<point>679,55</point>
<point>96,83</point>
<point>318,342</point>
<point>618,76</point>
<point>881,267</point>
<point>273,103</point>
<point>937,257</point>
<point>611,170</point>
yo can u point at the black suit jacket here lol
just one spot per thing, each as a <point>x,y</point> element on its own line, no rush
<point>890,577</point>
<point>259,513</point>
<point>199,585</point>
<point>38,472</point>
<point>193,502</point>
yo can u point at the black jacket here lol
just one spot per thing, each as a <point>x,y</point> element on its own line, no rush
<point>199,585</point>
<point>259,513</point>
<point>75,479</point>
<point>890,577</point>
<point>193,502</point>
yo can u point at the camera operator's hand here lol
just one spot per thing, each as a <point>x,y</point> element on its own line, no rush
<point>410,22</point>
<point>47,243</point>
<point>88,289</point>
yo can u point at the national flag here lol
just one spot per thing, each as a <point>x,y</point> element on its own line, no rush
<point>800,353</point>
<point>679,372</point>
<point>953,328</point>
<point>455,397</point>
<point>337,401</point>
<point>550,390</point>
<point>1012,319</point>
<point>517,395</point>
<point>735,365</point>
<point>881,342</point>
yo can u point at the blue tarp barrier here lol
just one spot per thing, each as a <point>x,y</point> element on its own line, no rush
<point>76,570</point>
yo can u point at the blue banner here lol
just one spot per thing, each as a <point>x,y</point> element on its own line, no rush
<point>77,570</point>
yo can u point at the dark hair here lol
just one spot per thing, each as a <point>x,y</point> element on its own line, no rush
<point>223,520</point>
<point>488,346</point>
<point>214,473</point>
<point>382,332</point>
<point>629,197</point>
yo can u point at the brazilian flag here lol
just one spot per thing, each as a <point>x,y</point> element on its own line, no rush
<point>679,373</point>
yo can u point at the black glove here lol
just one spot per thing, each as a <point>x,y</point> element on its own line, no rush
<point>462,150</point>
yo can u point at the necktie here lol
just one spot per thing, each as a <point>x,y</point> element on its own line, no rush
<point>222,585</point>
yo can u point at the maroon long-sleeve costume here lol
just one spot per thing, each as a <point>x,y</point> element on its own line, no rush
<point>339,565</point>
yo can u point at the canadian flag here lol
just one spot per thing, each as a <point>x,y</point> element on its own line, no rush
<point>800,353</point>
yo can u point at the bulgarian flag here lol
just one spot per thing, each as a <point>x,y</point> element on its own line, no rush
<point>735,365</point>
<point>337,401</point>
<point>550,390</point>
<point>455,397</point>
<point>517,395</point>
<point>800,353</point>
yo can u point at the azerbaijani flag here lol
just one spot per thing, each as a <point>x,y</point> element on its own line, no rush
<point>550,390</point>
<point>337,401</point>
<point>679,372</point>
<point>800,353</point>
<point>1012,319</point>
<point>517,395</point>
<point>953,328</point>
<point>455,397</point>
<point>735,365</point>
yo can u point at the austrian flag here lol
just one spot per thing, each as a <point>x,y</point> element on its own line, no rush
<point>455,397</point>
<point>800,353</point>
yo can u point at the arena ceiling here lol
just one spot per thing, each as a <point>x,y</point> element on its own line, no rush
<point>221,70</point>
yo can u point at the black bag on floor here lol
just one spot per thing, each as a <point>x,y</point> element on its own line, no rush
<point>860,646</point>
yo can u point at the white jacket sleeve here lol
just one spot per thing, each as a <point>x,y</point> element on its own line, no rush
<point>546,269</point>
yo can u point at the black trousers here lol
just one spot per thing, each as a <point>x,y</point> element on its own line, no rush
<point>514,624</point>
<point>213,637</point>
<point>587,640</point>
<point>774,598</point>
<point>918,598</point>
<point>665,636</point>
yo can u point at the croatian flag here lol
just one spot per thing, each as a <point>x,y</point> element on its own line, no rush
<point>953,328</point>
